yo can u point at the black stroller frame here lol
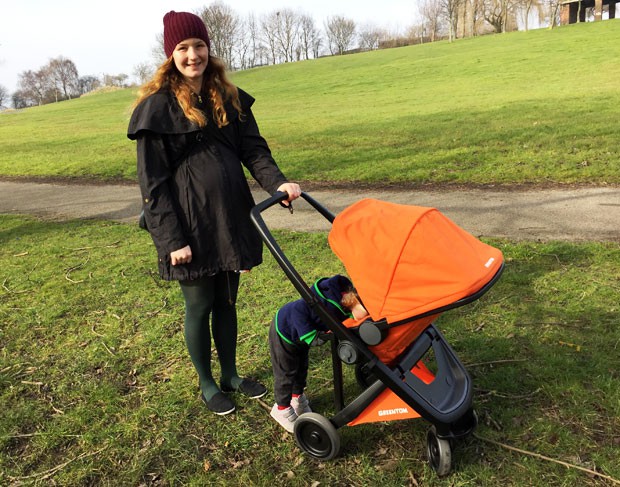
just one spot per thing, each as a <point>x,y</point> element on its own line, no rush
<point>446,402</point>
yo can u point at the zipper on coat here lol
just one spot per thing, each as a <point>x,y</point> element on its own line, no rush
<point>188,202</point>
<point>229,194</point>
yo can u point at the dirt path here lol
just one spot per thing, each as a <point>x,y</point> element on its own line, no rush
<point>590,213</point>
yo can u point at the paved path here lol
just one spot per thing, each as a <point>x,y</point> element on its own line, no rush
<point>546,214</point>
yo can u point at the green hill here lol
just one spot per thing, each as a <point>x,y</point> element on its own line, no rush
<point>538,106</point>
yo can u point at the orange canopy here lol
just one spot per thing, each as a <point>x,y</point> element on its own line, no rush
<point>407,260</point>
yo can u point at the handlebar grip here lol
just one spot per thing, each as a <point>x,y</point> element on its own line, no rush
<point>278,197</point>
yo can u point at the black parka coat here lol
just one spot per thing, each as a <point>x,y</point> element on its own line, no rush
<point>194,190</point>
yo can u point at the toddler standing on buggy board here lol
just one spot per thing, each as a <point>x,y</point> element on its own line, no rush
<point>296,328</point>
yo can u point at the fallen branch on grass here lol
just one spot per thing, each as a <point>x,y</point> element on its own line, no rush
<point>4,286</point>
<point>240,340</point>
<point>105,246</point>
<point>484,393</point>
<point>39,433</point>
<point>108,349</point>
<point>548,459</point>
<point>264,405</point>
<point>74,268</point>
<point>48,473</point>
<point>151,314</point>
<point>506,361</point>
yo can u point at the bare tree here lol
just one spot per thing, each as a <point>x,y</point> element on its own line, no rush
<point>526,7</point>
<point>317,45</point>
<point>256,51</point>
<point>34,87</point>
<point>431,13</point>
<point>369,36</point>
<point>309,36</point>
<point>280,31</point>
<point>416,34</point>
<point>57,80</point>
<point>223,25</point>
<point>473,17</point>
<point>244,47</point>
<point>340,34</point>
<point>115,80</point>
<point>450,10</point>
<point>87,84</point>
<point>64,76</point>
<point>287,33</point>
<point>500,14</point>
<point>20,100</point>
<point>143,72</point>
<point>552,12</point>
<point>4,94</point>
<point>158,52</point>
<point>269,27</point>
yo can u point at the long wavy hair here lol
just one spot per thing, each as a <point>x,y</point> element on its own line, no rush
<point>215,85</point>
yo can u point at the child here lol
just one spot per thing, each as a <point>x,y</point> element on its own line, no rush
<point>293,330</point>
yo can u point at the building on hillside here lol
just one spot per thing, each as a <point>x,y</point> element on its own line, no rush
<point>573,11</point>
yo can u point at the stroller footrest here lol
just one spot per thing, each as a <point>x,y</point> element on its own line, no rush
<point>450,390</point>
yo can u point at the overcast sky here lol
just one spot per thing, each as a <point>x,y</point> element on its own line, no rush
<point>113,36</point>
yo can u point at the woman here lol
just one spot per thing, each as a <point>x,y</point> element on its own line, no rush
<point>194,130</point>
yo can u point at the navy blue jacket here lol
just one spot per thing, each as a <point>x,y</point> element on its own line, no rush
<point>297,324</point>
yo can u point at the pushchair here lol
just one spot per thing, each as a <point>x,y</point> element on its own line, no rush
<point>409,264</point>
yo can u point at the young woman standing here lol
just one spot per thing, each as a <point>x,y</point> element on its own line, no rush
<point>195,131</point>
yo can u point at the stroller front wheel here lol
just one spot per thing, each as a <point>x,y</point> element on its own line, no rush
<point>317,436</point>
<point>439,453</point>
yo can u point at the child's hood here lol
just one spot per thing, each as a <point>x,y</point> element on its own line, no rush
<point>331,290</point>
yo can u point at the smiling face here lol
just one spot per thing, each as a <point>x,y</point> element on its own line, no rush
<point>191,57</point>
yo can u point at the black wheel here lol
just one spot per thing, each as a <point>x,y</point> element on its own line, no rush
<point>317,436</point>
<point>439,453</point>
<point>364,378</point>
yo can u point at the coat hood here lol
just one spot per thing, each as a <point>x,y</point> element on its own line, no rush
<point>162,114</point>
<point>330,290</point>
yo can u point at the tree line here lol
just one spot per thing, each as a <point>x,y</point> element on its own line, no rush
<point>56,81</point>
<point>287,35</point>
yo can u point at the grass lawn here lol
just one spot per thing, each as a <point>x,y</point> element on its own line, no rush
<point>97,389</point>
<point>524,107</point>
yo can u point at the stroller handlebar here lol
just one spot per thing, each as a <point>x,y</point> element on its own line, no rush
<point>280,196</point>
<point>277,197</point>
<point>272,245</point>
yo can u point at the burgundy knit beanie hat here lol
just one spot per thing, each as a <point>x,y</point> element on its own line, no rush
<point>179,26</point>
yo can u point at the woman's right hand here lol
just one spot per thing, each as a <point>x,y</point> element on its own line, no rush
<point>181,256</point>
<point>292,189</point>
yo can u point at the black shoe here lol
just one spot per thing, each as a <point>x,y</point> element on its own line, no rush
<point>249,387</point>
<point>219,404</point>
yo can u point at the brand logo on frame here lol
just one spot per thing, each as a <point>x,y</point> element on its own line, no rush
<point>391,412</point>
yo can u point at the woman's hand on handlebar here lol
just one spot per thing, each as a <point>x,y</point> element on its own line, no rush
<point>292,189</point>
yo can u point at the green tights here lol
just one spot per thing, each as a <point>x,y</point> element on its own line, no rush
<point>212,297</point>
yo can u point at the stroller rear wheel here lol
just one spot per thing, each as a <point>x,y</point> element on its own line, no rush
<point>317,436</point>
<point>439,452</point>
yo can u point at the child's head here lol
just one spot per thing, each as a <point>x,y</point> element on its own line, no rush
<point>350,300</point>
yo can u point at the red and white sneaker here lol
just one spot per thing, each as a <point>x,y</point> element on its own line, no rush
<point>300,404</point>
<point>285,417</point>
